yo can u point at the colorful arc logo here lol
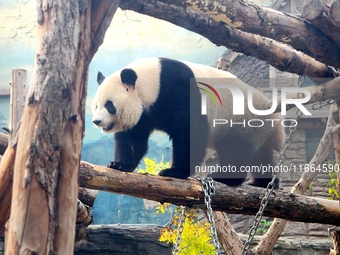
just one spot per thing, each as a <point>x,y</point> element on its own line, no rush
<point>211,91</point>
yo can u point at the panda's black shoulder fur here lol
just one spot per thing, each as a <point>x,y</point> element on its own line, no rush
<point>172,75</point>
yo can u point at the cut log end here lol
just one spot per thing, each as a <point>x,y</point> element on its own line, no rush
<point>312,10</point>
<point>334,13</point>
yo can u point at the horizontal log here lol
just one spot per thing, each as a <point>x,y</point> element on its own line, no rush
<point>241,15</point>
<point>241,200</point>
<point>279,55</point>
<point>319,93</point>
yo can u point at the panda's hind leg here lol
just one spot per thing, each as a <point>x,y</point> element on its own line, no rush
<point>264,160</point>
<point>233,153</point>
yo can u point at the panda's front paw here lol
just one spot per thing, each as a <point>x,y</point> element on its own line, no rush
<point>119,166</point>
<point>115,165</point>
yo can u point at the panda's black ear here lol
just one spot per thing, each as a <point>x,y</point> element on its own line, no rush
<point>128,77</point>
<point>100,78</point>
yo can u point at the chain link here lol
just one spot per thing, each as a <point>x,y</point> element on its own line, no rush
<point>334,71</point>
<point>181,217</point>
<point>209,190</point>
<point>270,186</point>
<point>281,159</point>
<point>318,105</point>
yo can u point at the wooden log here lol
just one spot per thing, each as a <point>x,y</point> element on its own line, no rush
<point>6,176</point>
<point>241,200</point>
<point>228,237</point>
<point>314,9</point>
<point>314,13</point>
<point>45,183</point>
<point>17,99</point>
<point>241,15</point>
<point>281,56</point>
<point>319,93</point>
<point>17,102</point>
<point>336,243</point>
<point>334,13</point>
<point>122,239</point>
<point>87,196</point>
<point>84,219</point>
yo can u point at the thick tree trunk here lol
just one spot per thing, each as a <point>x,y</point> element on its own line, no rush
<point>218,19</point>
<point>45,185</point>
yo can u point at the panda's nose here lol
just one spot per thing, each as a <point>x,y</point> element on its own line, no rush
<point>97,122</point>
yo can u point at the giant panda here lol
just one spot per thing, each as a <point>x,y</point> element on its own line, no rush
<point>161,94</point>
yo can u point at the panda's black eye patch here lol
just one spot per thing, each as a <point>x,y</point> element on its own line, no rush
<point>110,107</point>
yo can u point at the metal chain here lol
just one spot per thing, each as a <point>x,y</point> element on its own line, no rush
<point>270,186</point>
<point>181,217</point>
<point>334,71</point>
<point>281,159</point>
<point>209,190</point>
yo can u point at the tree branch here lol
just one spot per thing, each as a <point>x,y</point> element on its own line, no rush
<point>264,21</point>
<point>228,237</point>
<point>242,200</point>
<point>222,21</point>
<point>319,93</point>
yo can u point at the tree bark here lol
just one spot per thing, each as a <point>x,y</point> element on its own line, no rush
<point>87,196</point>
<point>45,185</point>
<point>6,176</point>
<point>313,12</point>
<point>214,20</point>
<point>84,219</point>
<point>242,200</point>
<point>334,13</point>
<point>227,235</point>
<point>279,55</point>
<point>319,93</point>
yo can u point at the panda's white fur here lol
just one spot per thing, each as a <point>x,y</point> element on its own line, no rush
<point>134,102</point>
<point>145,93</point>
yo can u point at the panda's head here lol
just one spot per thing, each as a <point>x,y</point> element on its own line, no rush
<point>116,106</point>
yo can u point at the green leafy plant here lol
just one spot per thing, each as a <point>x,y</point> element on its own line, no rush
<point>333,180</point>
<point>196,236</point>
<point>263,227</point>
<point>309,189</point>
<point>153,167</point>
<point>333,186</point>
